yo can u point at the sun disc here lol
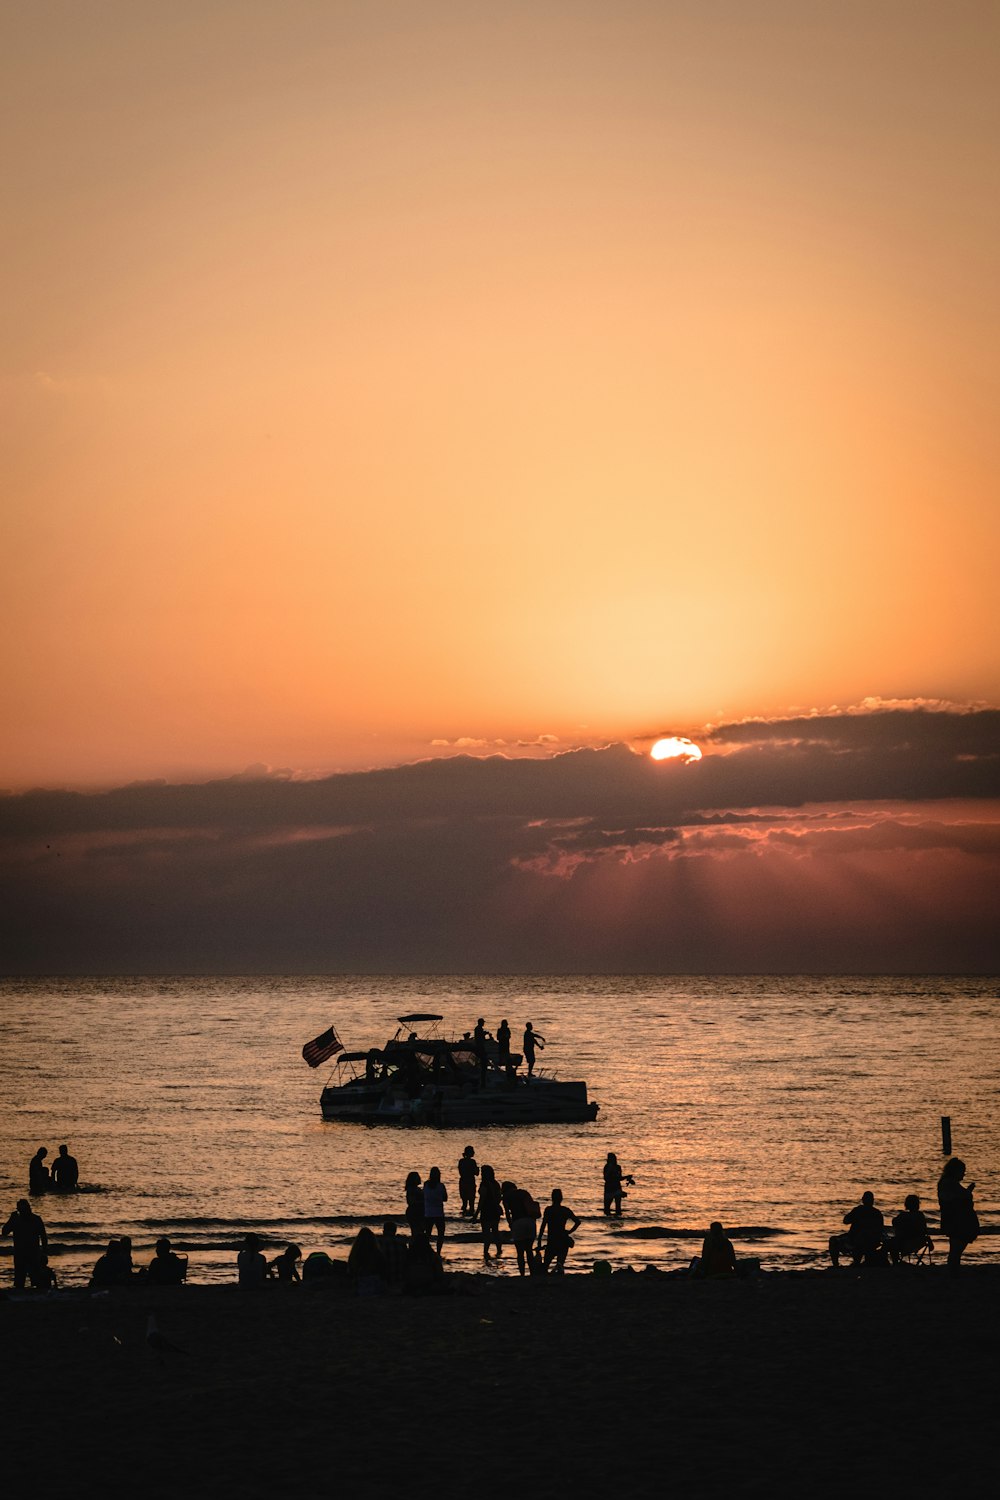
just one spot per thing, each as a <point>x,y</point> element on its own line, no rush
<point>675,747</point>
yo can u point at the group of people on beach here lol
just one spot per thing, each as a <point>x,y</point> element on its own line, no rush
<point>493,1202</point>
<point>62,1177</point>
<point>869,1242</point>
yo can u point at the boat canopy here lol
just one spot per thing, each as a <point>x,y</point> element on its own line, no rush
<point>409,1020</point>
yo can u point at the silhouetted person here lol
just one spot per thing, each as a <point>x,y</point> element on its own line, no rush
<point>30,1244</point>
<point>415,1206</point>
<point>166,1268</point>
<point>532,1039</point>
<point>613,1179</point>
<point>65,1172</point>
<point>38,1173</point>
<point>424,1273</point>
<point>468,1171</point>
<point>556,1231</point>
<point>524,1215</point>
<point>435,1198</point>
<point>909,1231</point>
<point>114,1267</point>
<point>479,1044</point>
<point>284,1267</point>
<point>394,1253</point>
<point>251,1267</point>
<point>45,1277</point>
<point>863,1239</point>
<point>366,1264</point>
<point>489,1210</point>
<point>718,1258</point>
<point>503,1046</point>
<point>959,1220</point>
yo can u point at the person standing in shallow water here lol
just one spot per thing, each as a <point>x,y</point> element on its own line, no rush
<point>30,1244</point>
<point>532,1039</point>
<point>65,1172</point>
<point>468,1171</point>
<point>556,1230</point>
<point>415,1206</point>
<point>38,1173</point>
<point>959,1220</point>
<point>435,1198</point>
<point>613,1178</point>
<point>489,1210</point>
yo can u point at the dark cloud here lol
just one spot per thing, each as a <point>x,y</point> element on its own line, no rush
<point>780,851</point>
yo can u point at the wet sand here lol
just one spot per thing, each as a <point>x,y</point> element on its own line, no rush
<point>804,1382</point>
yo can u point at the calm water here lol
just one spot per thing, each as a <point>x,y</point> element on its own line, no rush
<point>770,1103</point>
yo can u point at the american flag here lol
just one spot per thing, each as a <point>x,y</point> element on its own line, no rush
<point>320,1048</point>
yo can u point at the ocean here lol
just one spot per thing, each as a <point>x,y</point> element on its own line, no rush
<point>769,1103</point>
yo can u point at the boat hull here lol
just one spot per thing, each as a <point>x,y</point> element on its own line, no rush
<point>535,1101</point>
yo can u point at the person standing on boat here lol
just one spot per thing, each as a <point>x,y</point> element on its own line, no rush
<point>479,1043</point>
<point>503,1046</point>
<point>468,1171</point>
<point>435,1198</point>
<point>532,1039</point>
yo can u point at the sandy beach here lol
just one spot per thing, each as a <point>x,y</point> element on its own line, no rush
<point>804,1382</point>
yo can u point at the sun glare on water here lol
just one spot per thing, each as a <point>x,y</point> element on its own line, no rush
<point>675,748</point>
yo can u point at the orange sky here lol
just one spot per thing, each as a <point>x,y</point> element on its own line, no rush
<point>376,374</point>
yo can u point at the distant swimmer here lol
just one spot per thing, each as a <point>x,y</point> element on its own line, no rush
<point>468,1171</point>
<point>614,1177</point>
<point>532,1039</point>
<point>39,1180</point>
<point>30,1244</point>
<point>65,1172</point>
<point>557,1230</point>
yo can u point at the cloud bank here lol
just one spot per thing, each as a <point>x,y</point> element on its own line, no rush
<point>844,841</point>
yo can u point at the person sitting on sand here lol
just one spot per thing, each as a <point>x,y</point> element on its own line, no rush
<point>959,1220</point>
<point>114,1267</point>
<point>65,1176</point>
<point>489,1211</point>
<point>863,1240</point>
<point>424,1274</point>
<point>166,1268</point>
<point>718,1258</point>
<point>910,1234</point>
<point>284,1267</point>
<point>556,1231</point>
<point>468,1171</point>
<point>30,1244</point>
<point>435,1198</point>
<point>366,1264</point>
<point>251,1267</point>
<point>394,1252</point>
<point>39,1180</point>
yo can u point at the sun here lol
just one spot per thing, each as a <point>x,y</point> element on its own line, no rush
<point>675,748</point>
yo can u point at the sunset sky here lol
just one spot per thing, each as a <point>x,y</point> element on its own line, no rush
<point>387,382</point>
